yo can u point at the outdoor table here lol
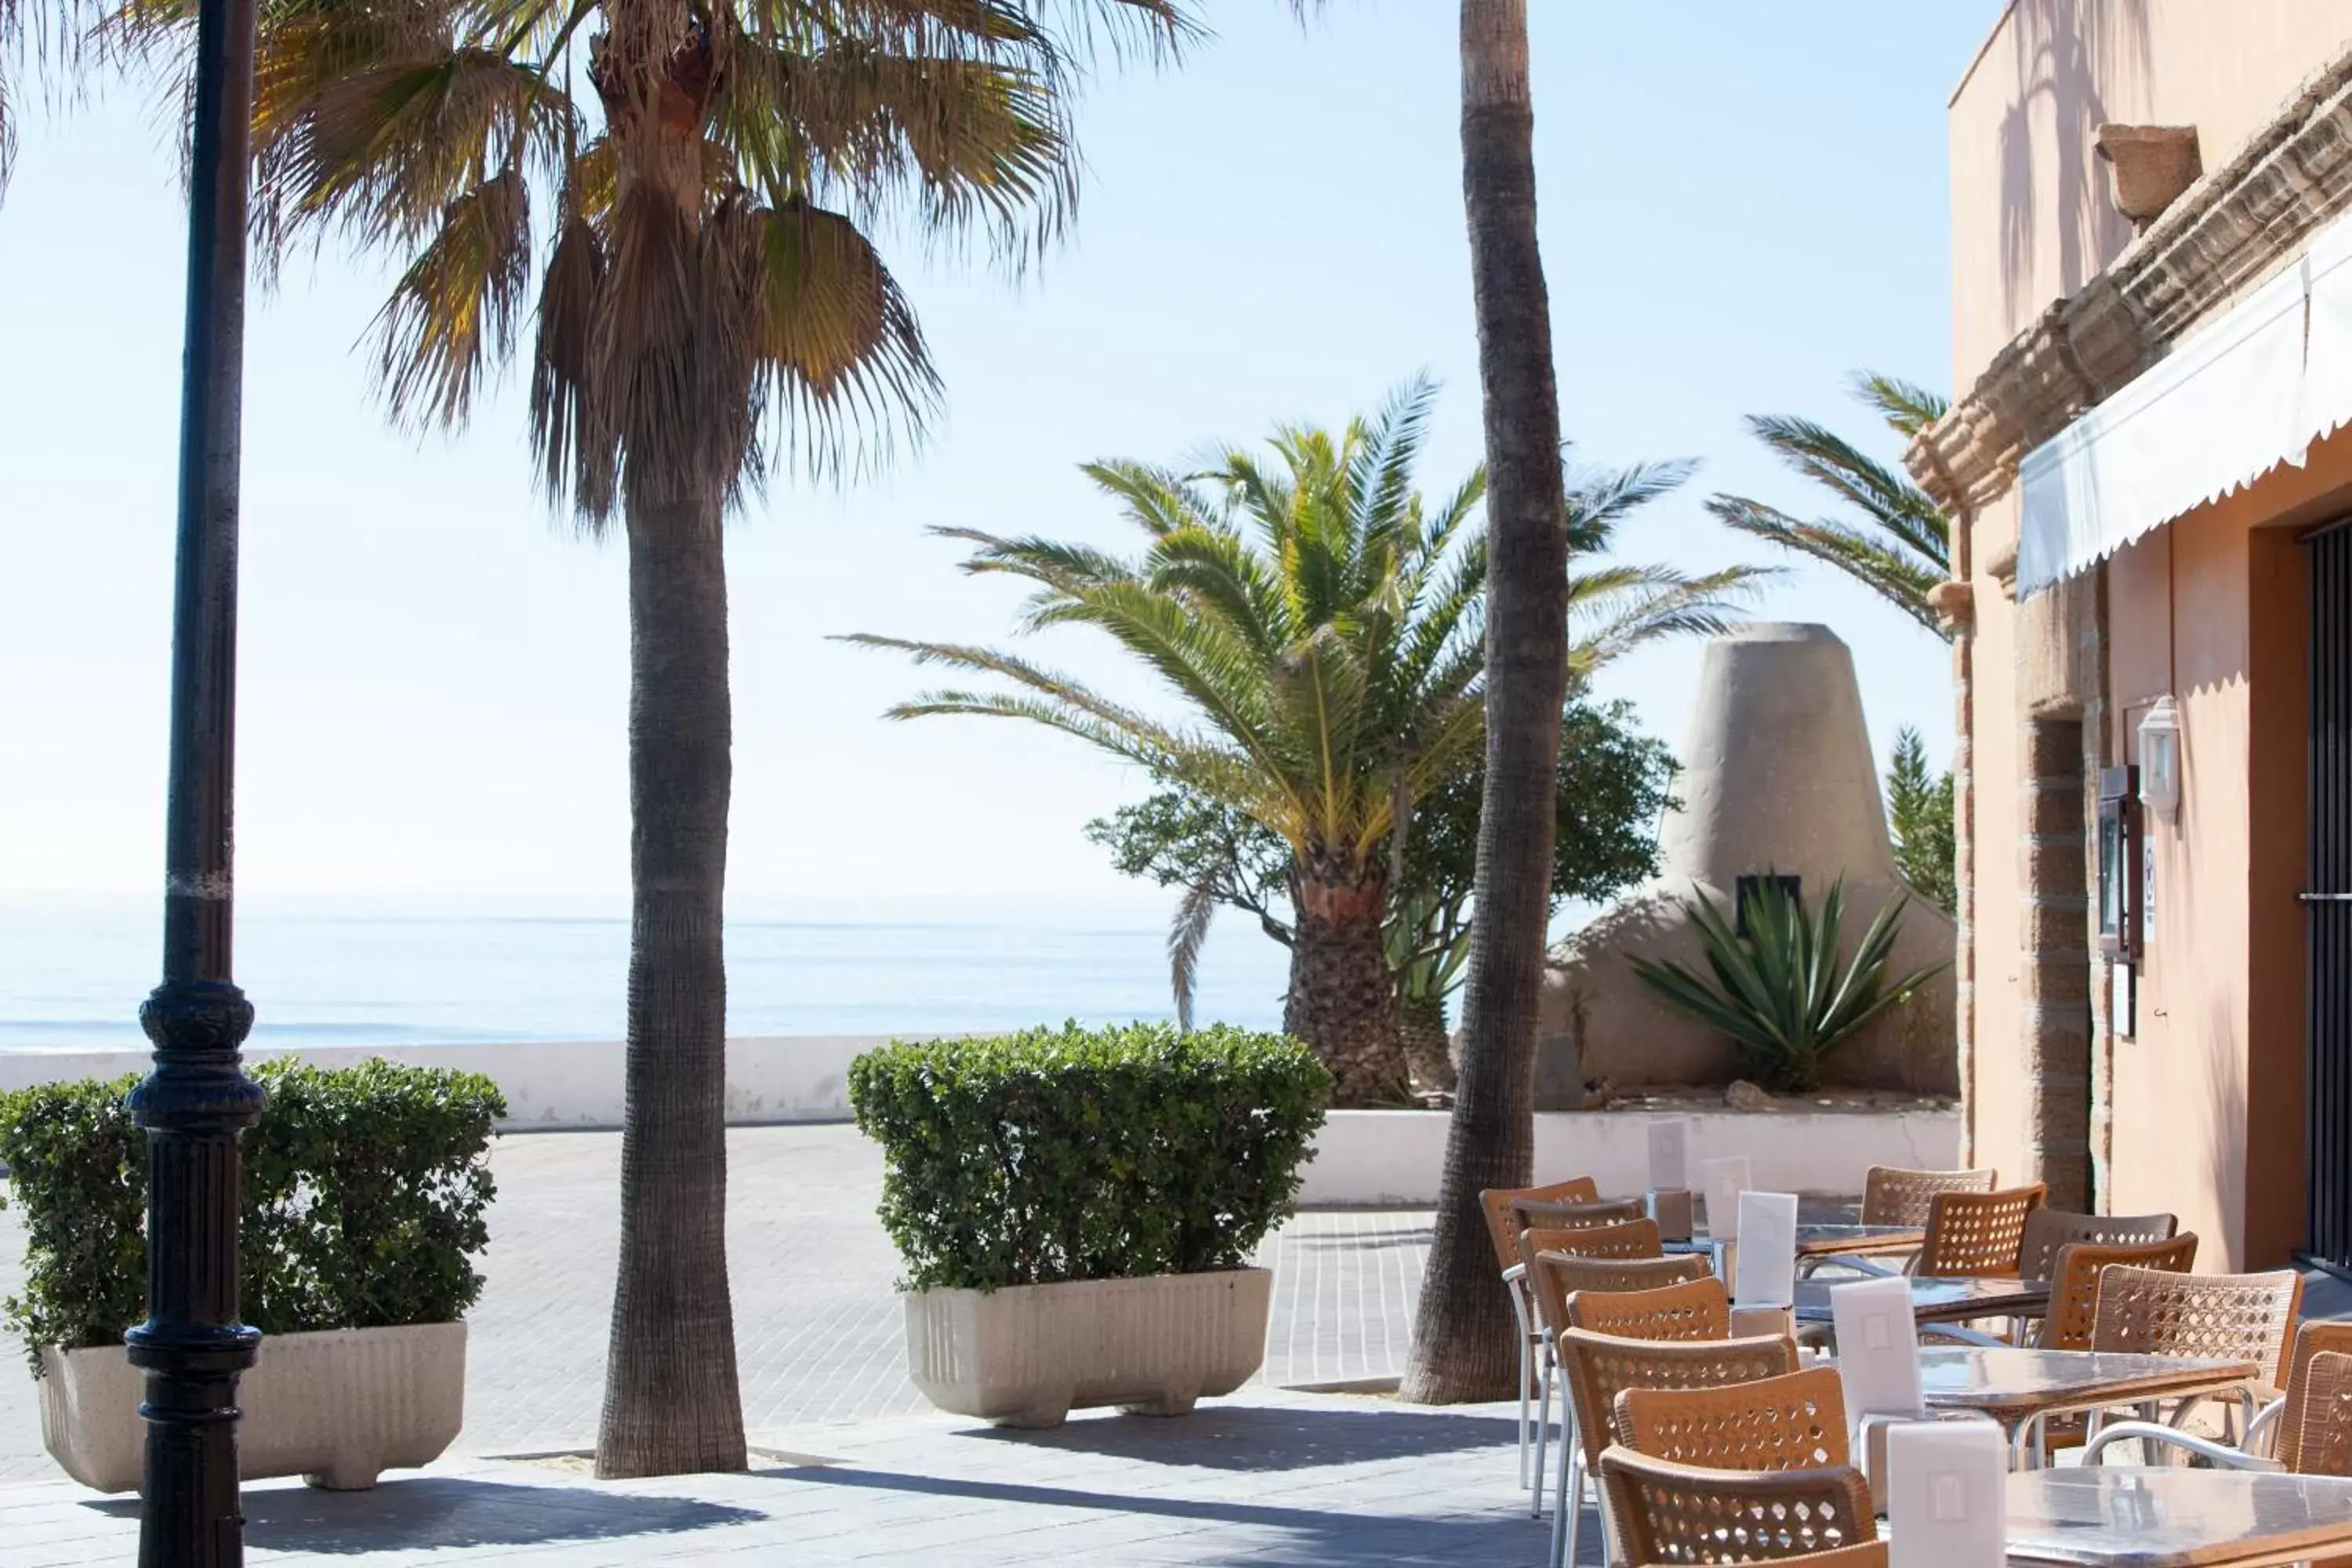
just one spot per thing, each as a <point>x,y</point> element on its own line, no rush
<point>1941,1300</point>
<point>2096,1516</point>
<point>1828,1240</point>
<point>1842,1241</point>
<point>1819,1242</point>
<point>2022,1387</point>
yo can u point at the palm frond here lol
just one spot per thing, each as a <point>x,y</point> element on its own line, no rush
<point>458,305</point>
<point>1616,610</point>
<point>838,345</point>
<point>1892,501</point>
<point>978,143</point>
<point>1195,911</point>
<point>1895,575</point>
<point>1598,499</point>
<point>1907,407</point>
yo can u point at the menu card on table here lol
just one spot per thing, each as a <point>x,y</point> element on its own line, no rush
<point>1669,1153</point>
<point>1764,1274</point>
<point>1724,1181</point>
<point>1877,1347</point>
<point>1945,1494</point>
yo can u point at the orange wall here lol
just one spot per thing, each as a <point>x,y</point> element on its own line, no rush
<point>2032,220</point>
<point>1998,1094</point>
<point>2208,1094</point>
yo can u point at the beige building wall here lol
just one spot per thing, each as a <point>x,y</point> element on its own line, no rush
<point>2202,1110</point>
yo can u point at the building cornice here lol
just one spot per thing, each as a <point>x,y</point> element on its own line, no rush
<point>2232,229</point>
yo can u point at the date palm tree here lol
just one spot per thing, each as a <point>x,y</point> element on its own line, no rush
<point>1325,629</point>
<point>1902,546</point>
<point>677,201</point>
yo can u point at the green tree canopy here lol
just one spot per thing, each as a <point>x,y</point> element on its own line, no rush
<point>1919,820</point>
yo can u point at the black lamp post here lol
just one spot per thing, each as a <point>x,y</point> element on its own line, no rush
<point>198,1101</point>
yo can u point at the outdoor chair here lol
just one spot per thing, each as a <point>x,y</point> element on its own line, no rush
<point>1600,1366</point>
<point>2048,1229</point>
<point>2247,1316</point>
<point>1893,1196</point>
<point>1494,1202</point>
<point>1532,1215</point>
<point>2308,1431</point>
<point>1626,1238</point>
<point>1977,1234</point>
<point>1868,1554</point>
<point>1612,1275</point>
<point>1623,1241</point>
<point>1699,1309</point>
<point>2073,1274</point>
<point>1666,1512</point>
<point>1791,1423</point>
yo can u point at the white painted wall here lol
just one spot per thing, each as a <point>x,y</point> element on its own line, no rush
<point>1395,1157</point>
<point>1361,1157</point>
<point>552,1085</point>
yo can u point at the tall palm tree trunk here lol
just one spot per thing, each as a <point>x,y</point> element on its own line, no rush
<point>1462,1344</point>
<point>1342,1000</point>
<point>671,1402</point>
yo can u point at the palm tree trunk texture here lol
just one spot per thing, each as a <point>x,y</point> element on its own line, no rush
<point>1463,1347</point>
<point>1421,1022</point>
<point>671,1402</point>
<point>1342,1000</point>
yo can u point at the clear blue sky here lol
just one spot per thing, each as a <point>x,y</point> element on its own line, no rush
<point>1740,204</point>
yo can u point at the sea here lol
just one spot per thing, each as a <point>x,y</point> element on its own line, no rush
<point>423,972</point>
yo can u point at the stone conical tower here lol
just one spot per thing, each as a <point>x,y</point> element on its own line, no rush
<point>1778,777</point>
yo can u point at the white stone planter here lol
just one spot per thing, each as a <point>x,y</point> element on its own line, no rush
<point>1028,1355</point>
<point>336,1409</point>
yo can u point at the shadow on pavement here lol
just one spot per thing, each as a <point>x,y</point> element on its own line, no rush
<point>1269,1437</point>
<point>1346,1532</point>
<point>426,1512</point>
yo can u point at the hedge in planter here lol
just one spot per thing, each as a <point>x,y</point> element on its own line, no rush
<point>1071,1153</point>
<point>1077,1209</point>
<point>364,1193</point>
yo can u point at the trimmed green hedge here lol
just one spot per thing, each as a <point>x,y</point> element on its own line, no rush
<point>365,1192</point>
<point>1077,1153</point>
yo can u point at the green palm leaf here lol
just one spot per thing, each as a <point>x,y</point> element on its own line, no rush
<point>1901,546</point>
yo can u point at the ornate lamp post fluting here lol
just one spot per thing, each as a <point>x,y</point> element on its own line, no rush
<point>197,1102</point>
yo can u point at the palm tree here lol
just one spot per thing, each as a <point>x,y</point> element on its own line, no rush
<point>1903,548</point>
<point>1461,1345</point>
<point>679,196</point>
<point>1324,627</point>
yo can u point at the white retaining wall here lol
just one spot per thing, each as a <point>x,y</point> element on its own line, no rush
<point>551,1085</point>
<point>1394,1157</point>
<point>1362,1157</point>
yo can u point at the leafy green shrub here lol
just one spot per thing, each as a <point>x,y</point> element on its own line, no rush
<point>364,1193</point>
<point>1075,1153</point>
<point>1778,991</point>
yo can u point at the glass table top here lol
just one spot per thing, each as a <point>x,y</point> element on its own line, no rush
<point>1934,1299</point>
<point>2023,1381</point>
<point>2118,1516</point>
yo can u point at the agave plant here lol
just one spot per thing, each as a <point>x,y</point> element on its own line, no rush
<point>1777,992</point>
